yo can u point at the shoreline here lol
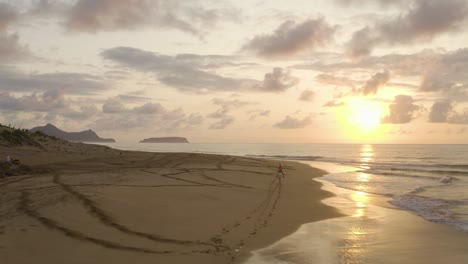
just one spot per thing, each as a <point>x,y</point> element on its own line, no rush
<point>140,206</point>
<point>373,232</point>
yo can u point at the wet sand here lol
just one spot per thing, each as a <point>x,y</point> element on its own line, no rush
<point>373,232</point>
<point>99,205</point>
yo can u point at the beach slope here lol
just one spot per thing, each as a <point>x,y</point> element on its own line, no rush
<point>94,204</point>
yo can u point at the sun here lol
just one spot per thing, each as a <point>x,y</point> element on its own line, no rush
<point>365,115</point>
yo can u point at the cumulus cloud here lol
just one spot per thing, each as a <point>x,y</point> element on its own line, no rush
<point>278,81</point>
<point>152,116</point>
<point>49,105</point>
<point>111,15</point>
<point>372,85</point>
<point>440,111</point>
<point>113,106</point>
<point>401,110</point>
<point>307,96</point>
<point>425,20</point>
<point>444,112</point>
<point>290,122</point>
<point>47,101</point>
<point>290,38</point>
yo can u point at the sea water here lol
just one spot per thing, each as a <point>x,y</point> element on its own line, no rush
<point>409,175</point>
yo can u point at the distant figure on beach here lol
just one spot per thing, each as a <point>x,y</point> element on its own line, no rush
<point>280,173</point>
<point>447,179</point>
<point>8,159</point>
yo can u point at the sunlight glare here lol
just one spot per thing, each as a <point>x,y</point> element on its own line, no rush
<point>365,115</point>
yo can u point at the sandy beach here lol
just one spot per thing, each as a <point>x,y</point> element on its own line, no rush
<point>373,231</point>
<point>94,204</point>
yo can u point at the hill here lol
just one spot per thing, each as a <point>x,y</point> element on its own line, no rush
<point>83,136</point>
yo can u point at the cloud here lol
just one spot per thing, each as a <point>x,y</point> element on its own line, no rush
<point>333,103</point>
<point>188,74</point>
<point>222,114</point>
<point>360,2</point>
<point>425,20</point>
<point>443,112</point>
<point>307,96</point>
<point>448,73</point>
<point>290,122</point>
<point>152,116</point>
<point>48,101</point>
<point>401,110</point>
<point>278,81</point>
<point>51,103</point>
<point>290,38</point>
<point>175,71</point>
<point>258,113</point>
<point>110,15</point>
<point>372,85</point>
<point>335,80</point>
<point>113,106</point>
<point>440,111</point>
<point>8,15</point>
<point>222,123</point>
<point>10,48</point>
<point>69,83</point>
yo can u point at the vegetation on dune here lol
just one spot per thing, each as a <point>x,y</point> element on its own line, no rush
<point>18,136</point>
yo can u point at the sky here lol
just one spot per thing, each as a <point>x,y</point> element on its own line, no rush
<point>245,71</point>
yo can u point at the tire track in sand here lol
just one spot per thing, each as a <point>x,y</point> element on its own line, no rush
<point>107,220</point>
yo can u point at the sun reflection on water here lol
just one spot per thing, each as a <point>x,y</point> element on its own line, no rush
<point>366,155</point>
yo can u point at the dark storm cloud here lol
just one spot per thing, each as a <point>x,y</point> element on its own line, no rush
<point>401,110</point>
<point>424,20</point>
<point>291,38</point>
<point>290,122</point>
<point>186,73</point>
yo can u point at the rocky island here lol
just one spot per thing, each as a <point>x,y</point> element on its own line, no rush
<point>165,140</point>
<point>83,136</point>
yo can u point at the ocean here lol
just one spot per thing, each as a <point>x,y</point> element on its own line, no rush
<point>429,180</point>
